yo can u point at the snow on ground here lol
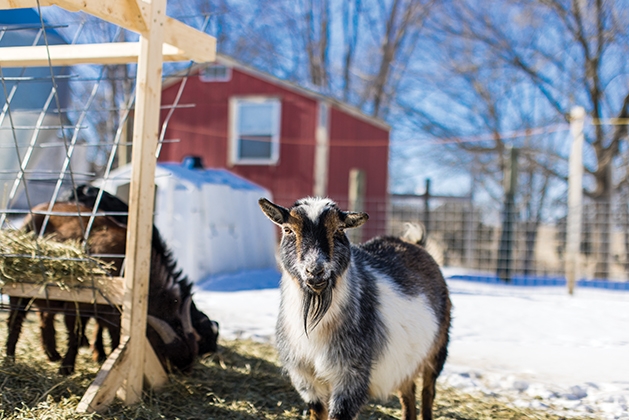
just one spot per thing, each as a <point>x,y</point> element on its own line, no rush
<point>532,346</point>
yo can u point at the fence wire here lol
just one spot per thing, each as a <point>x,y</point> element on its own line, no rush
<point>468,235</point>
<point>61,127</point>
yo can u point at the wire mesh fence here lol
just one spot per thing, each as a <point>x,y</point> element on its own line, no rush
<point>465,234</point>
<point>60,127</point>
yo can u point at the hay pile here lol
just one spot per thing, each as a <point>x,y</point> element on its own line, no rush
<point>25,257</point>
<point>244,381</point>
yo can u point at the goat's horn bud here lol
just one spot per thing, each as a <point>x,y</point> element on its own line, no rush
<point>186,317</point>
<point>165,331</point>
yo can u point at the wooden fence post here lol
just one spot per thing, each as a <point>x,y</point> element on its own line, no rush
<point>427,206</point>
<point>356,198</point>
<point>575,198</point>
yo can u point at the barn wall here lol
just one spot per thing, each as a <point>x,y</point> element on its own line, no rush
<point>354,143</point>
<point>203,131</point>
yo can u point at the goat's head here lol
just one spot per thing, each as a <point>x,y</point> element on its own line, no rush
<point>175,342</point>
<point>314,250</point>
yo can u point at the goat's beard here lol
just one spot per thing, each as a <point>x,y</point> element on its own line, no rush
<point>315,306</point>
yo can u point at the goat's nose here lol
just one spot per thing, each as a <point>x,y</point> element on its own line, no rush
<point>314,271</point>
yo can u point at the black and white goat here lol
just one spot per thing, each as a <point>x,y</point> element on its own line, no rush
<point>356,321</point>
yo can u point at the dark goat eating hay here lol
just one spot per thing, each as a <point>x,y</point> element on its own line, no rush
<point>177,330</point>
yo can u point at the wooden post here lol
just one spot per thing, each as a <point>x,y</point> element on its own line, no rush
<point>356,196</point>
<point>575,198</point>
<point>125,138</point>
<point>322,151</point>
<point>427,206</point>
<point>142,187</point>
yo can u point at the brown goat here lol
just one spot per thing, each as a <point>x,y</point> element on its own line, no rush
<point>169,329</point>
<point>106,236</point>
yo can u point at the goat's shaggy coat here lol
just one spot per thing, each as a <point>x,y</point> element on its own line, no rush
<point>356,321</point>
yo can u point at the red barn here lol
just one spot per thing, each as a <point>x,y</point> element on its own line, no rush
<point>288,139</point>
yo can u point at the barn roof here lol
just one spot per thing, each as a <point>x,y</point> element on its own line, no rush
<point>233,63</point>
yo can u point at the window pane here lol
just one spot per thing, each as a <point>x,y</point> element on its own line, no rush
<point>215,73</point>
<point>255,147</point>
<point>255,119</point>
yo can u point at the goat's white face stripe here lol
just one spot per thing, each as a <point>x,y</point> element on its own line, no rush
<point>314,207</point>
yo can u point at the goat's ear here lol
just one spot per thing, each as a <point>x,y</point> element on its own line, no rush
<point>277,214</point>
<point>352,219</point>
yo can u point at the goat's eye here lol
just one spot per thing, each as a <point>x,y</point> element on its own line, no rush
<point>287,230</point>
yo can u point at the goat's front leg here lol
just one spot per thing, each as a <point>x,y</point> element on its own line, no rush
<point>348,397</point>
<point>313,392</point>
<point>74,333</point>
<point>317,411</point>
<point>17,314</point>
<point>48,335</point>
<point>98,346</point>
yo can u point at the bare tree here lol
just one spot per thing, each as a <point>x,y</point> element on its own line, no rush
<point>351,30</point>
<point>374,40</point>
<point>399,27</point>
<point>317,39</point>
<point>562,52</point>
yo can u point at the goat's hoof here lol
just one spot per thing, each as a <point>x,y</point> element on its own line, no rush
<point>98,357</point>
<point>66,370</point>
<point>53,357</point>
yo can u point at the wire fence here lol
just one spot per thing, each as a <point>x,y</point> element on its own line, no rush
<point>60,127</point>
<point>468,235</point>
<point>471,236</point>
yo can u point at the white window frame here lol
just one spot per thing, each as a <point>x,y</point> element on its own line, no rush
<point>205,78</point>
<point>234,144</point>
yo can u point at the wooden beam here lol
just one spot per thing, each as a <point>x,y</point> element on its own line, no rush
<point>154,373</point>
<point>141,195</point>
<point>110,293</point>
<point>575,198</point>
<point>132,15</point>
<point>23,4</point>
<point>108,380</point>
<point>68,55</point>
<point>197,46</point>
<point>126,14</point>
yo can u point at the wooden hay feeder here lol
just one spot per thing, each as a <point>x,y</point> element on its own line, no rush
<point>161,38</point>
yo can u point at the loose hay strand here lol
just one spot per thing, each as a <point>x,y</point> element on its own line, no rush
<point>26,257</point>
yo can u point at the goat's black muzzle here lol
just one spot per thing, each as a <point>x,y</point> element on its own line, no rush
<point>317,284</point>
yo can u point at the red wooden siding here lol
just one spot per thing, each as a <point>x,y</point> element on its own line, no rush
<point>354,143</point>
<point>203,131</point>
